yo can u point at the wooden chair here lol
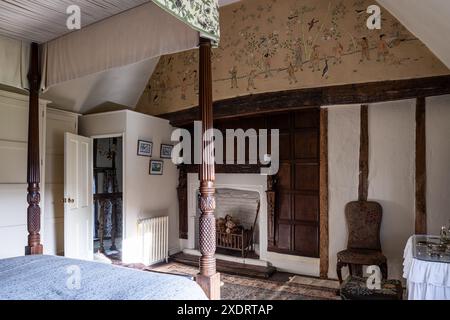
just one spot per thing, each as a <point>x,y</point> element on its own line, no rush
<point>364,245</point>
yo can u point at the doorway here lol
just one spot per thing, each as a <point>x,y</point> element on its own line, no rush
<point>108,198</point>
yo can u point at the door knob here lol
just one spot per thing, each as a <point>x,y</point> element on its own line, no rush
<point>69,200</point>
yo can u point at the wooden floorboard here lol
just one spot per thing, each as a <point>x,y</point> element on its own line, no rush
<point>228,267</point>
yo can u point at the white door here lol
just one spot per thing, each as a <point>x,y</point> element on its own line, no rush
<point>78,197</point>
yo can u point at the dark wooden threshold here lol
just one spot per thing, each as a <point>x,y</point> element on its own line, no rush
<point>228,267</point>
<point>361,93</point>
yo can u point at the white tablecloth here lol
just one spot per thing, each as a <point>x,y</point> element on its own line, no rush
<point>425,280</point>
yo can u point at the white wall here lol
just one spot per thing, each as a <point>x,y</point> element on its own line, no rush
<point>13,172</point>
<point>343,153</point>
<point>144,195</point>
<point>148,195</point>
<point>391,175</point>
<point>57,124</point>
<point>438,163</point>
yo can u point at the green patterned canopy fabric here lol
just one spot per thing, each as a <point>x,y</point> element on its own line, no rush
<point>202,15</point>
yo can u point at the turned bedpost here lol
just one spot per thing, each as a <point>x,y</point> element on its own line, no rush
<point>208,278</point>
<point>33,167</point>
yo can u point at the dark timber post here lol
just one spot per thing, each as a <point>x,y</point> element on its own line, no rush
<point>208,278</point>
<point>33,168</point>
<point>421,167</point>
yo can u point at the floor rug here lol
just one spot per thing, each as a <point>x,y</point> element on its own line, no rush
<point>244,288</point>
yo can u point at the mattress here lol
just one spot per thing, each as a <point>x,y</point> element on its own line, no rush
<point>58,278</point>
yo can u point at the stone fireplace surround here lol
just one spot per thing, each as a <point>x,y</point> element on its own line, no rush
<point>253,183</point>
<point>250,185</point>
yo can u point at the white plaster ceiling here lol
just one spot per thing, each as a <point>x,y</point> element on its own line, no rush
<point>428,20</point>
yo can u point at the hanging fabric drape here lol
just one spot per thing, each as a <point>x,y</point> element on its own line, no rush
<point>201,15</point>
<point>138,34</point>
<point>14,62</point>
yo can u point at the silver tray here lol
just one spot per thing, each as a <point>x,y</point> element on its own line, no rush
<point>431,249</point>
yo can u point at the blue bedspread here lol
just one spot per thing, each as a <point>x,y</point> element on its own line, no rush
<point>57,278</point>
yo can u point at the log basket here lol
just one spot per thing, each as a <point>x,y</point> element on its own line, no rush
<point>242,241</point>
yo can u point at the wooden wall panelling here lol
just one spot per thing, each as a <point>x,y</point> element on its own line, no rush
<point>293,194</point>
<point>421,174</point>
<point>297,210</point>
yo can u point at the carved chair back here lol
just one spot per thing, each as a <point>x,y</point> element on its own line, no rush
<point>364,224</point>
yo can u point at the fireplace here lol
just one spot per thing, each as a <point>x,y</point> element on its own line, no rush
<point>237,217</point>
<point>243,198</point>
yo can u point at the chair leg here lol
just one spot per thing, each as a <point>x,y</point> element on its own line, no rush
<point>384,270</point>
<point>339,266</point>
<point>358,270</point>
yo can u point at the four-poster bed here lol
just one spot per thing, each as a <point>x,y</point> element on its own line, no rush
<point>201,16</point>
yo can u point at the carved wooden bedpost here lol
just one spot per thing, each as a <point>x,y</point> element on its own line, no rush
<point>208,278</point>
<point>33,168</point>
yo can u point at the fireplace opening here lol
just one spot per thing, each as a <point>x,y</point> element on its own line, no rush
<point>237,223</point>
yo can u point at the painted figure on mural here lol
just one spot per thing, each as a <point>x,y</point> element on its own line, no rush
<point>183,88</point>
<point>234,82</point>
<point>251,80</point>
<point>291,74</point>
<point>196,82</point>
<point>326,69</point>
<point>365,49</point>
<point>382,49</point>
<point>338,51</point>
<point>315,59</point>
<point>267,65</point>
<point>298,56</point>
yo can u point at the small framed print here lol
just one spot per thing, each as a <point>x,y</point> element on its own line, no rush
<point>166,151</point>
<point>145,148</point>
<point>156,167</point>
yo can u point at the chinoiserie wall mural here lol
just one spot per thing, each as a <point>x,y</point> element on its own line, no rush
<point>274,45</point>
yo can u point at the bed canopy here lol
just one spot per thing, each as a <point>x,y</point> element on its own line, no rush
<point>114,34</point>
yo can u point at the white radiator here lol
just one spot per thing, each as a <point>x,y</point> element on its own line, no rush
<point>153,235</point>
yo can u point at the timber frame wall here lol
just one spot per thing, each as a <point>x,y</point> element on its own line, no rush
<point>285,101</point>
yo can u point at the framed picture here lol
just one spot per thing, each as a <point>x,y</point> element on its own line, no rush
<point>166,151</point>
<point>145,148</point>
<point>156,167</point>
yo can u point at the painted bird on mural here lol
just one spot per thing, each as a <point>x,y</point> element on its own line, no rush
<point>312,23</point>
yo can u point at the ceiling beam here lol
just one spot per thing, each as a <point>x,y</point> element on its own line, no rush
<point>362,93</point>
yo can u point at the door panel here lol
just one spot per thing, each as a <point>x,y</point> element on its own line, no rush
<point>78,197</point>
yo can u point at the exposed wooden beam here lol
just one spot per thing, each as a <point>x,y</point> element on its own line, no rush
<point>421,167</point>
<point>33,165</point>
<point>208,278</point>
<point>324,230</point>
<point>363,188</point>
<point>363,93</point>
